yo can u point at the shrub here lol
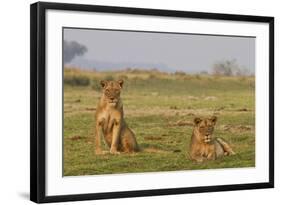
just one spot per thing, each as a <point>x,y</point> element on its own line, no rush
<point>188,77</point>
<point>198,77</point>
<point>180,73</point>
<point>152,76</point>
<point>96,85</point>
<point>108,77</point>
<point>76,80</point>
<point>123,77</point>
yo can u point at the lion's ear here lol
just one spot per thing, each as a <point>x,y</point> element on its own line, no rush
<point>197,120</point>
<point>120,82</point>
<point>214,119</point>
<point>103,83</point>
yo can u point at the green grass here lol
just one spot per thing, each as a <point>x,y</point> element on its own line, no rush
<point>154,104</point>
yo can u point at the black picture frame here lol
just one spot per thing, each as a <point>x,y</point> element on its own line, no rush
<point>38,101</point>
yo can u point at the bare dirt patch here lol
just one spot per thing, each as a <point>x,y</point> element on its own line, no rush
<point>210,98</point>
<point>153,138</point>
<point>243,110</point>
<point>154,150</point>
<point>181,123</point>
<point>76,137</point>
<point>90,108</point>
<point>237,128</point>
<point>166,112</point>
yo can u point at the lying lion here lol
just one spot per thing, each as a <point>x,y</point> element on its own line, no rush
<point>204,146</point>
<point>110,121</point>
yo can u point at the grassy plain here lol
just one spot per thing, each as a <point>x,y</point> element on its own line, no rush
<point>160,108</point>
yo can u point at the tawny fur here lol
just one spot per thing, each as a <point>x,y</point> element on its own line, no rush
<point>110,121</point>
<point>203,145</point>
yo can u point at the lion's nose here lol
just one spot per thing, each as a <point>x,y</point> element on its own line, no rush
<point>111,98</point>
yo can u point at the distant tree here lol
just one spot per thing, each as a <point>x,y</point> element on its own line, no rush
<point>243,72</point>
<point>227,67</point>
<point>128,69</point>
<point>204,72</point>
<point>72,49</point>
<point>180,73</point>
<point>155,70</point>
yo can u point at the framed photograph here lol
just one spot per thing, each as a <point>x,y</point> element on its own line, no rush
<point>129,102</point>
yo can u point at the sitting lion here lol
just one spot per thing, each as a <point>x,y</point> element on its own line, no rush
<point>110,121</point>
<point>204,146</point>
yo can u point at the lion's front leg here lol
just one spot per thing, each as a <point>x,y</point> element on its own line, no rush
<point>195,155</point>
<point>115,137</point>
<point>98,135</point>
<point>211,156</point>
<point>211,153</point>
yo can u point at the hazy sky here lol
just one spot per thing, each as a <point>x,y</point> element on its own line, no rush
<point>185,52</point>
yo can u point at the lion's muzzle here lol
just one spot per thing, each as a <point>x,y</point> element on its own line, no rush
<point>207,138</point>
